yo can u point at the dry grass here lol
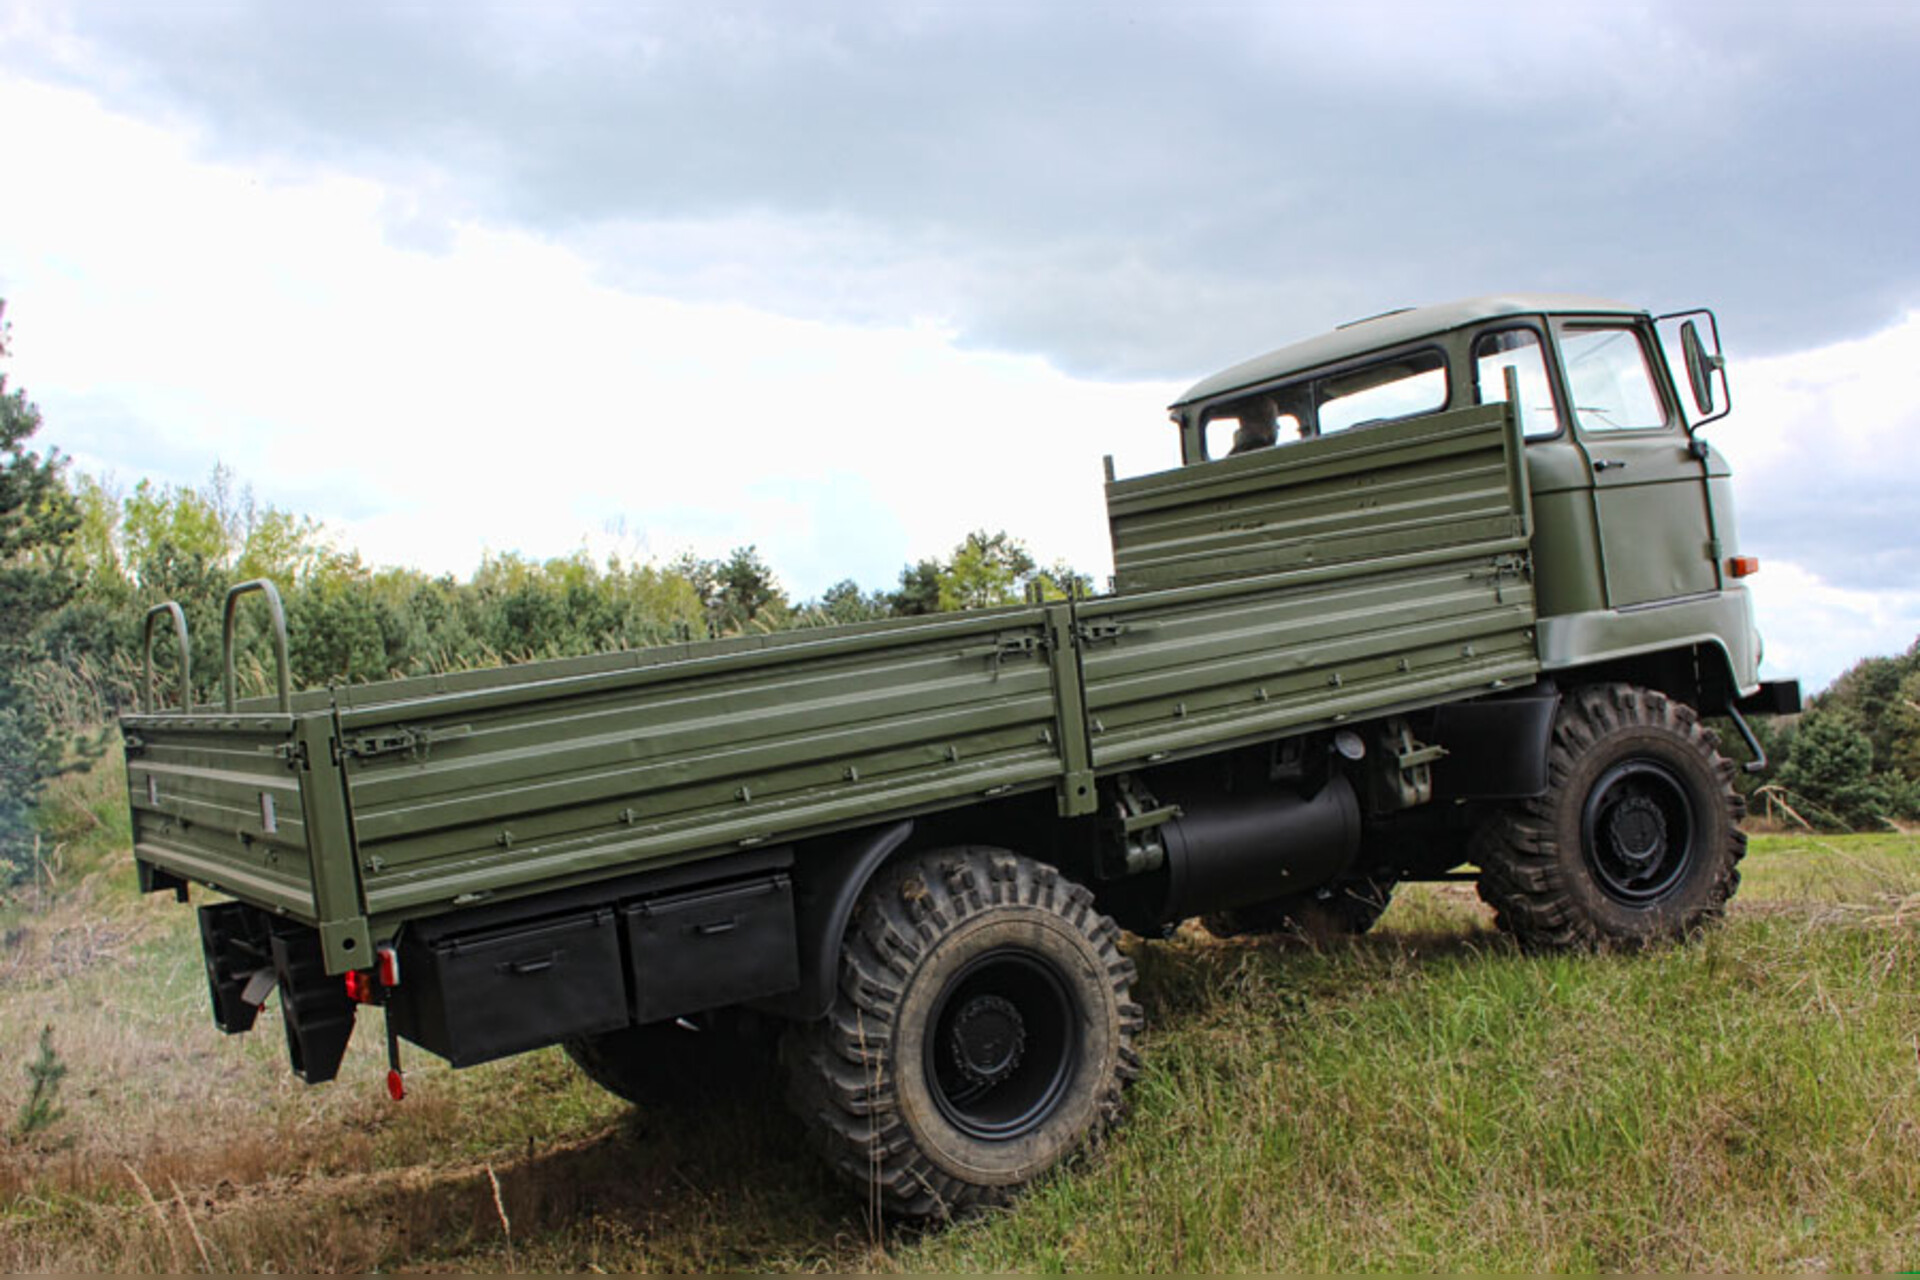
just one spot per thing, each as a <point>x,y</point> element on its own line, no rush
<point>1424,1099</point>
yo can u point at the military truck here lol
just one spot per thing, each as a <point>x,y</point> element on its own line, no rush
<point>1444,593</point>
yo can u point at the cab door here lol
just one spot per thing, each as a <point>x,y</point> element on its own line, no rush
<point>1649,488</point>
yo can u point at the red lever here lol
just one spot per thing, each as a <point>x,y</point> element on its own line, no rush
<point>387,966</point>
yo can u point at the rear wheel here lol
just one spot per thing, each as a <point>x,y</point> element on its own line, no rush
<point>1637,838</point>
<point>982,1033</point>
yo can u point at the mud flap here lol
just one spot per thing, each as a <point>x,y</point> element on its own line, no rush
<point>234,943</point>
<point>313,1005</point>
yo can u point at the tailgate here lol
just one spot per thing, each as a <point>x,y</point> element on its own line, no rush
<point>236,802</point>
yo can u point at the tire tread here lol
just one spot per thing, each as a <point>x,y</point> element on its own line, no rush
<point>840,1074</point>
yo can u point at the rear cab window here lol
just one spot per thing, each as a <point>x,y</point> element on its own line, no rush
<point>1400,388</point>
<point>1404,384</point>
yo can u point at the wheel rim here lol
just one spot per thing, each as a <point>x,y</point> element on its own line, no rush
<point>1003,1041</point>
<point>1638,831</point>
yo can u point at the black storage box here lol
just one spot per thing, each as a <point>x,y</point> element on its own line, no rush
<point>471,997</point>
<point>712,947</point>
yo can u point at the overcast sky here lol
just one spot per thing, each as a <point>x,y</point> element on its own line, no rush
<point>848,280</point>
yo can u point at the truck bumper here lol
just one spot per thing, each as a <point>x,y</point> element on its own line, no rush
<point>1773,698</point>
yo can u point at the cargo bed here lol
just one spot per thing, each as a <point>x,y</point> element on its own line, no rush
<point>1346,577</point>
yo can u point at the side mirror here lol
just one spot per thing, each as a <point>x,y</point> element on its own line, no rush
<point>1691,342</point>
<point>1701,366</point>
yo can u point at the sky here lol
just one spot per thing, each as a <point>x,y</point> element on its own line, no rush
<point>846,281</point>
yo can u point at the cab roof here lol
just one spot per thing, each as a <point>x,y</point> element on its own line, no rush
<point>1390,330</point>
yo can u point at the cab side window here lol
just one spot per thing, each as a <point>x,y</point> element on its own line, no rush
<point>1609,378</point>
<point>1520,350</point>
<point>1404,387</point>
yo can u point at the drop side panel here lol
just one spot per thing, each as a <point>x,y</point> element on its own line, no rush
<point>1379,569</point>
<point>528,786</point>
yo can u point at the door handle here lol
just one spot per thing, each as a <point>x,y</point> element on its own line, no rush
<point>1604,464</point>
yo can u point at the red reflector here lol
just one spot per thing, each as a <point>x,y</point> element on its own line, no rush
<point>359,986</point>
<point>1743,566</point>
<point>396,1085</point>
<point>388,966</point>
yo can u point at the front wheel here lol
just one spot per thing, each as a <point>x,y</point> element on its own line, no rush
<point>1637,837</point>
<point>982,1033</point>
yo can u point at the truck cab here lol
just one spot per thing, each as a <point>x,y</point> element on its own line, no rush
<point>1634,553</point>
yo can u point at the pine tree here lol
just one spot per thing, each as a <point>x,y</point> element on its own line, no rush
<point>42,1109</point>
<point>37,518</point>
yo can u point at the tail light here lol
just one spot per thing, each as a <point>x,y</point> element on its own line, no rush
<point>1743,566</point>
<point>369,986</point>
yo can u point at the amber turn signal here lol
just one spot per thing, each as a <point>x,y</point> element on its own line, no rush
<point>1743,566</point>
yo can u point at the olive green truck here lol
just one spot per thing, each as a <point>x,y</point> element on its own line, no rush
<point>1443,594</point>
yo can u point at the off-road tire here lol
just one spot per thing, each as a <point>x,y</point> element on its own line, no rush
<point>667,1064</point>
<point>1346,908</point>
<point>1637,838</point>
<point>982,1033</point>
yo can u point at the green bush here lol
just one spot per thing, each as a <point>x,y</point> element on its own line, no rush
<point>1830,780</point>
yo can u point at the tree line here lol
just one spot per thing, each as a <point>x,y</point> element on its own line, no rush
<point>348,622</point>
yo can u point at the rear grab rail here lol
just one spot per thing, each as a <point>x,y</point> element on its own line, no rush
<point>186,660</point>
<point>272,594</point>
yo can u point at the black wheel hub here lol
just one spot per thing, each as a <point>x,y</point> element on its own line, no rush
<point>987,1037</point>
<point>1002,1045</point>
<point>1638,831</point>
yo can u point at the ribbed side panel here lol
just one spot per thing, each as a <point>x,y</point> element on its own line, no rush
<point>1196,669</point>
<point>619,769</point>
<point>1447,480</point>
<point>219,802</point>
<point>1304,585</point>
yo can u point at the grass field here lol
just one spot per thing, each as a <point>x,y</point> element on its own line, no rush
<point>1424,1098</point>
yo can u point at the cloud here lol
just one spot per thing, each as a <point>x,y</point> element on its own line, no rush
<point>495,392</point>
<point>1828,476</point>
<point>1814,630</point>
<point>1827,483</point>
<point>1128,192</point>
